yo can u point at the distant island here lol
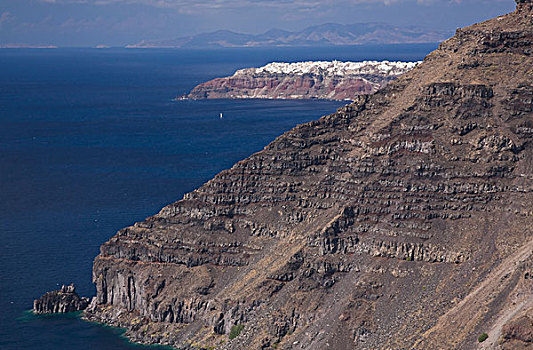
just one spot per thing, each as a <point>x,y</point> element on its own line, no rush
<point>26,46</point>
<point>330,34</point>
<point>332,80</point>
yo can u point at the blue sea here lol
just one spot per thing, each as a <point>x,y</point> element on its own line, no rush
<point>92,141</point>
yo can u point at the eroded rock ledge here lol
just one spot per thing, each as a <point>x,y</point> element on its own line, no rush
<point>60,301</point>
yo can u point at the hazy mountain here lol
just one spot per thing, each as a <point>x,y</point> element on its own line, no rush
<point>330,34</point>
<point>401,221</point>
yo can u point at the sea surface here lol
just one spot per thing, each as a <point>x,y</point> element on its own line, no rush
<point>92,141</point>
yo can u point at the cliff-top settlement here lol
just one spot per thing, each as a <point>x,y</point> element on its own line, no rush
<point>332,80</point>
<point>402,221</point>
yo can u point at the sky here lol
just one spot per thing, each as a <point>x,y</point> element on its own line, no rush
<point>121,22</point>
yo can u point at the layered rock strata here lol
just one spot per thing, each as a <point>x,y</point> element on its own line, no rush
<point>60,301</point>
<point>303,80</point>
<point>403,220</point>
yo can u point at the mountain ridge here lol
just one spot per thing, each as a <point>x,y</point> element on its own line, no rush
<point>328,34</point>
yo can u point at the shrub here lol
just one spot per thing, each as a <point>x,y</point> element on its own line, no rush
<point>235,331</point>
<point>482,337</point>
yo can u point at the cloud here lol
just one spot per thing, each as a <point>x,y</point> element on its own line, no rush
<point>219,4</point>
<point>5,18</point>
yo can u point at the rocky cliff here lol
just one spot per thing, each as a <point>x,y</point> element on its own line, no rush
<point>403,220</point>
<point>60,301</point>
<point>304,80</point>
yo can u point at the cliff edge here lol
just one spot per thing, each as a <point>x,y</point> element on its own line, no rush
<point>403,220</point>
<point>333,80</point>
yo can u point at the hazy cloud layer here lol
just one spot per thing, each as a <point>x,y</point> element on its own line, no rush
<point>5,18</point>
<point>234,3</point>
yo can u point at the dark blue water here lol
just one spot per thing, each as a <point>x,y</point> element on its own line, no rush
<point>91,141</point>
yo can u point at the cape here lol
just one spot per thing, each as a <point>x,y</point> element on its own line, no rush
<point>303,80</point>
<point>403,220</point>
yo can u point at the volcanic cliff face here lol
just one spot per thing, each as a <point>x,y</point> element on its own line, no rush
<point>403,220</point>
<point>64,300</point>
<point>303,80</point>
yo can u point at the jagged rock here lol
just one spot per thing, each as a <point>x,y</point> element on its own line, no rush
<point>401,221</point>
<point>60,301</point>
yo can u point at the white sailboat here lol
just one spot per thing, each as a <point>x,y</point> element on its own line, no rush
<point>221,115</point>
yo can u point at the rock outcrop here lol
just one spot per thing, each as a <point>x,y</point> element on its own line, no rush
<point>518,334</point>
<point>303,80</point>
<point>60,301</point>
<point>403,220</point>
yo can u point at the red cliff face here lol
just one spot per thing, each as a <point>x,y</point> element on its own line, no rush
<point>286,87</point>
<point>307,81</point>
<point>402,221</point>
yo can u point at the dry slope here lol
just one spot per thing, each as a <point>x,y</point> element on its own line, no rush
<point>404,220</point>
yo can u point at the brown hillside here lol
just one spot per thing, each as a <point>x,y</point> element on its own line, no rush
<point>403,220</point>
